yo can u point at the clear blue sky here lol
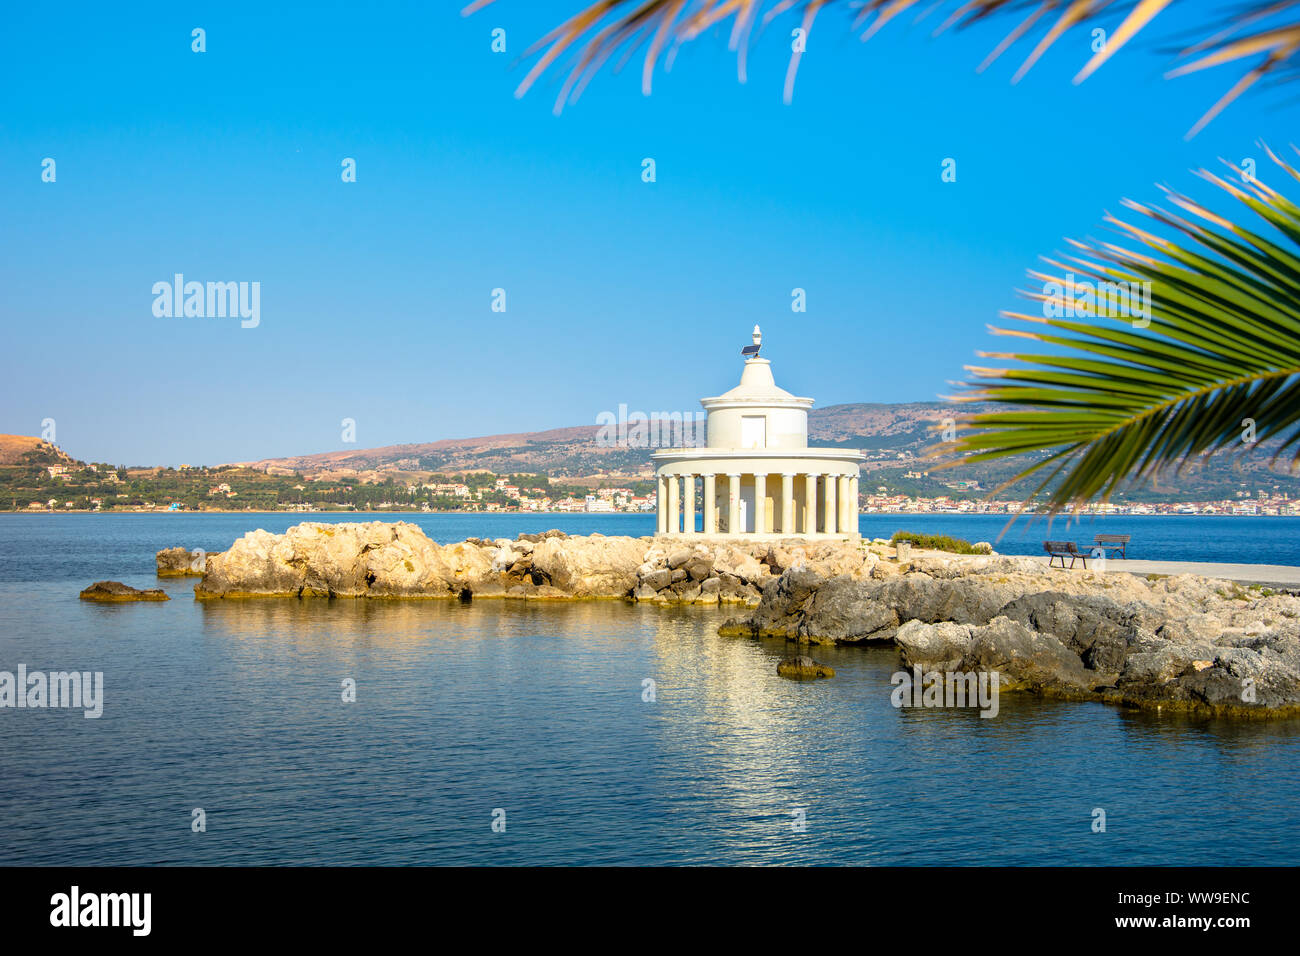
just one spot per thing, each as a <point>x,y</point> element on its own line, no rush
<point>376,295</point>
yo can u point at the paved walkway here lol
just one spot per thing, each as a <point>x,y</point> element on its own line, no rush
<point>1276,575</point>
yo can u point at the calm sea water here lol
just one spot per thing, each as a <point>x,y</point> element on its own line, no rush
<point>537,710</point>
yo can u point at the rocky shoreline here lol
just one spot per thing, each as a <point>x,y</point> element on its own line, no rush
<point>1179,643</point>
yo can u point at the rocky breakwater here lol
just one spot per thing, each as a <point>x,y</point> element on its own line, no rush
<point>717,570</point>
<point>1179,643</point>
<point>397,560</point>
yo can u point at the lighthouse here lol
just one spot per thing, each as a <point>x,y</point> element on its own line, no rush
<point>758,475</point>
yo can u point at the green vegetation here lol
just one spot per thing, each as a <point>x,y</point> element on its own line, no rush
<point>939,542</point>
<point>1248,592</point>
<point>46,476</point>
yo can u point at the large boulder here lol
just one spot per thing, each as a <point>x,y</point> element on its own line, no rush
<point>1026,659</point>
<point>592,566</point>
<point>180,562</point>
<point>933,647</point>
<point>375,559</point>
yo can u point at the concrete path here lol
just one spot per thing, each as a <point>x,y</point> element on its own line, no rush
<point>1274,575</point>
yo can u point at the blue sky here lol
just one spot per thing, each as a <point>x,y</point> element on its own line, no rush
<point>376,295</point>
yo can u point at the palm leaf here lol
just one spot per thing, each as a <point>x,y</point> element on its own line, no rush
<point>1265,33</point>
<point>1121,398</point>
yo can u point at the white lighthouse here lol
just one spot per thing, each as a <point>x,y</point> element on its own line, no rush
<point>760,477</point>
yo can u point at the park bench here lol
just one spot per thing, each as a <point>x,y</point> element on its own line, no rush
<point>1063,550</point>
<point>1112,542</point>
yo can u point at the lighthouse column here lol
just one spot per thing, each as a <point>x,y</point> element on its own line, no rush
<point>760,504</point>
<point>809,503</point>
<point>733,504</point>
<point>842,489</point>
<point>787,504</point>
<point>710,504</point>
<point>674,505</point>
<point>661,505</point>
<point>688,486</point>
<point>830,504</point>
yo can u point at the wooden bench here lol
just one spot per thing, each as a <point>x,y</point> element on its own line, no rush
<point>1063,550</point>
<point>1112,542</point>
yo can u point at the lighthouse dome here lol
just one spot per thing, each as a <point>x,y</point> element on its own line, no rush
<point>757,413</point>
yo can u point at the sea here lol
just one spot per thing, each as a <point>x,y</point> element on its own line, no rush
<point>498,732</point>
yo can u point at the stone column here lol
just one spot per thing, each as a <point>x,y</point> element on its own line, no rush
<point>688,486</point>
<point>710,504</point>
<point>734,525</point>
<point>853,504</point>
<point>787,504</point>
<point>810,504</point>
<point>842,495</point>
<point>831,507</point>
<point>661,505</point>
<point>674,505</point>
<point>760,504</point>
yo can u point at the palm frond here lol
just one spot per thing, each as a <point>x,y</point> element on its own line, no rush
<point>1266,33</point>
<point>1205,349</point>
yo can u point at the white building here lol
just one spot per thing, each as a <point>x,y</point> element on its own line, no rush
<point>759,476</point>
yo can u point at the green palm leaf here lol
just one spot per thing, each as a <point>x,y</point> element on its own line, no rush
<point>1210,361</point>
<point>1265,33</point>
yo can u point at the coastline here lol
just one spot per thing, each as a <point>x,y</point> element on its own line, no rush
<point>1148,640</point>
<point>377,515</point>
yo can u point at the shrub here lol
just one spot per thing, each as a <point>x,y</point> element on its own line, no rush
<point>940,542</point>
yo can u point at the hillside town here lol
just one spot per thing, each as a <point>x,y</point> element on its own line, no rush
<point>73,486</point>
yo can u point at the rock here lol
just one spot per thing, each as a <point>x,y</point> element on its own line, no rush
<point>678,558</point>
<point>938,647</point>
<point>847,611</point>
<point>374,559</point>
<point>740,564</point>
<point>803,668</point>
<point>1180,643</point>
<point>658,580</point>
<point>112,592</point>
<point>180,563</point>
<point>699,568</point>
<point>594,566</point>
<point>686,592</point>
<point>1031,660</point>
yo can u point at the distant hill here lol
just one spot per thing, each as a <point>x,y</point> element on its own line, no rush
<point>893,437</point>
<point>15,448</point>
<point>575,452</point>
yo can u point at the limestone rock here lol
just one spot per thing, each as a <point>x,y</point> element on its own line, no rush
<point>803,668</point>
<point>113,592</point>
<point>594,566</point>
<point>180,563</point>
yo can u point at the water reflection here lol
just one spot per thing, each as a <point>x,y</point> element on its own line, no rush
<point>538,708</point>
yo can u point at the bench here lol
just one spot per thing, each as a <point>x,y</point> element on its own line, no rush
<point>1063,550</point>
<point>1112,542</point>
